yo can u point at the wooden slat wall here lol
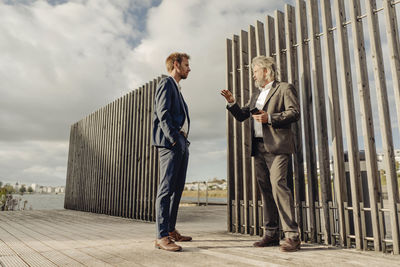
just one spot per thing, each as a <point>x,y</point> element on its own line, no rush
<point>306,44</point>
<point>112,168</point>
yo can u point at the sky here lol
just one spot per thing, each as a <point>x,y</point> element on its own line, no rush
<point>61,60</point>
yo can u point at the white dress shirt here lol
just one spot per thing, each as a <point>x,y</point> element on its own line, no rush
<point>260,105</point>
<point>185,126</point>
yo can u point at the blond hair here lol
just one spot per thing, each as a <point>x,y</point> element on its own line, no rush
<point>169,62</point>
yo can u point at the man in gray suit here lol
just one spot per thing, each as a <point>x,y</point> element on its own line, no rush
<point>272,110</point>
<point>171,125</point>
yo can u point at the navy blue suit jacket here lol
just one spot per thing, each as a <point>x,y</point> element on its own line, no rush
<point>170,111</point>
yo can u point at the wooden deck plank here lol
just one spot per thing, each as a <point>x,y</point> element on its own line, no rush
<point>73,238</point>
<point>14,261</point>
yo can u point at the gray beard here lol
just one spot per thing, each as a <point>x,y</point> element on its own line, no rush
<point>259,84</point>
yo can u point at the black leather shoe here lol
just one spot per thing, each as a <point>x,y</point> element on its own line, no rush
<point>267,241</point>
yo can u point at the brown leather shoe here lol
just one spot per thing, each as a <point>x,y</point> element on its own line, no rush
<point>290,245</point>
<point>177,237</point>
<point>267,241</point>
<point>166,243</point>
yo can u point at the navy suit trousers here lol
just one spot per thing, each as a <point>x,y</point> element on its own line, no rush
<point>173,167</point>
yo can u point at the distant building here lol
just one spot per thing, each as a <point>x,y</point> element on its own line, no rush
<point>60,189</point>
<point>35,188</point>
<point>50,189</point>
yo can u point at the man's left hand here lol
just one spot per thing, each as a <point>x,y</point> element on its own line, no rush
<point>261,116</point>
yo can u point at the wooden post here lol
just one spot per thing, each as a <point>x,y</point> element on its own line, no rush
<point>293,78</point>
<point>337,139</point>
<point>229,148</point>
<point>350,122</point>
<point>245,128</point>
<point>254,49</point>
<point>237,137</point>
<point>307,113</point>
<point>259,40</point>
<point>270,37</point>
<point>392,31</point>
<point>384,119</point>
<point>366,117</point>
<point>320,123</point>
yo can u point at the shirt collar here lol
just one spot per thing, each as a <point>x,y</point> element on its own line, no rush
<point>177,84</point>
<point>268,86</point>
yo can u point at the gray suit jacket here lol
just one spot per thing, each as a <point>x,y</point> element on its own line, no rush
<point>283,106</point>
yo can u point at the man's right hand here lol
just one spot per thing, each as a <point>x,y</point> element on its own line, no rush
<point>228,96</point>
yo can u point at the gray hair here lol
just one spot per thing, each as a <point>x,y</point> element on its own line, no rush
<point>266,63</point>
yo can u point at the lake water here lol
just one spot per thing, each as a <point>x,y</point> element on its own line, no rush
<point>42,201</point>
<point>56,201</point>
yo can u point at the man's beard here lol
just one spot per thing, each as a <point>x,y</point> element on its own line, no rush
<point>183,76</point>
<point>260,84</point>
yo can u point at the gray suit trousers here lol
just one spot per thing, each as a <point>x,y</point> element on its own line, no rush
<point>271,170</point>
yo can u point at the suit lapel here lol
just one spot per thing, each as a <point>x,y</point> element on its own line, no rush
<point>182,101</point>
<point>254,99</point>
<point>271,92</point>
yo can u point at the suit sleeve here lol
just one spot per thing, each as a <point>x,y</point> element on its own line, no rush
<point>163,102</point>
<point>239,113</point>
<point>292,109</point>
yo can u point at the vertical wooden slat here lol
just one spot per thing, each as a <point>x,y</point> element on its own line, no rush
<point>392,31</point>
<point>320,117</point>
<point>141,154</point>
<point>293,78</point>
<point>132,154</point>
<point>336,128</point>
<point>130,121</point>
<point>145,170</point>
<point>229,129</point>
<point>269,37</point>
<point>92,155</point>
<point>95,164</point>
<point>135,157</point>
<point>106,158</point>
<point>124,155</point>
<point>260,40</point>
<point>384,119</point>
<point>366,116</point>
<point>147,159</point>
<point>152,151</point>
<point>253,48</point>
<point>70,167</point>
<point>280,46</point>
<point>237,137</point>
<point>306,100</point>
<point>117,158</point>
<point>246,135</point>
<point>137,154</point>
<point>350,122</point>
<point>101,160</point>
<point>113,157</point>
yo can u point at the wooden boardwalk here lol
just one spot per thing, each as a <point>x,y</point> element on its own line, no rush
<point>73,238</point>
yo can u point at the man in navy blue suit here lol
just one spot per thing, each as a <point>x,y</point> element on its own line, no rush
<point>170,131</point>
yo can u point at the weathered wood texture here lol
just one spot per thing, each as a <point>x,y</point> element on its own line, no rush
<point>112,167</point>
<point>72,238</point>
<point>340,196</point>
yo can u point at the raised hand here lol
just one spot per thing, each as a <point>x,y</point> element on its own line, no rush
<point>228,96</point>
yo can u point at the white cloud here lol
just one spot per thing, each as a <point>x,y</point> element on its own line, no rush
<point>62,60</point>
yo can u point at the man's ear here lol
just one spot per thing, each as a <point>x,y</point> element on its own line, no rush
<point>176,64</point>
